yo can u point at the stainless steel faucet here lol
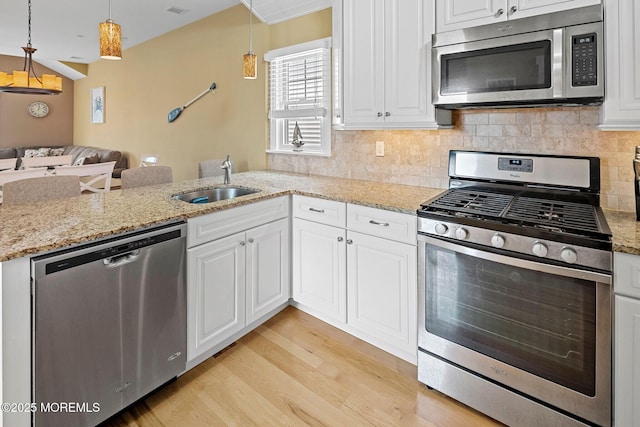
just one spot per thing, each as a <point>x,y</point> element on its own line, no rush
<point>226,165</point>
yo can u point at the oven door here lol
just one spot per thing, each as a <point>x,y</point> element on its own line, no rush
<point>507,69</point>
<point>540,329</point>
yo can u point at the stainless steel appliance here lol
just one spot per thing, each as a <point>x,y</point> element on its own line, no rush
<point>109,325</point>
<point>554,59</point>
<point>515,289</point>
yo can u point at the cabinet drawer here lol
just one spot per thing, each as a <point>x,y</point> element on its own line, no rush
<point>213,226</point>
<point>381,223</point>
<point>626,274</point>
<point>324,211</point>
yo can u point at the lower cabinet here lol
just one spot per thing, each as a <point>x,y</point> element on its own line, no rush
<point>319,269</point>
<point>233,283</point>
<point>627,362</point>
<point>382,292</point>
<point>626,349</point>
<point>365,281</point>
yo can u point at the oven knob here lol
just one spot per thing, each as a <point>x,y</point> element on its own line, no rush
<point>441,228</point>
<point>461,233</point>
<point>569,255</point>
<point>497,241</point>
<point>540,249</point>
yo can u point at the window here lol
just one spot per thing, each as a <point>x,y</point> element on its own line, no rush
<point>300,93</point>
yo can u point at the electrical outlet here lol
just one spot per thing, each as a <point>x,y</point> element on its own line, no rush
<point>379,148</point>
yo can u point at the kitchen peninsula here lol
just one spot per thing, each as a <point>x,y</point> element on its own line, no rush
<point>35,229</point>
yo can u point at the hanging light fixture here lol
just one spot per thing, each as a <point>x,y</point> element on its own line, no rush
<point>26,81</point>
<point>110,39</point>
<point>249,64</point>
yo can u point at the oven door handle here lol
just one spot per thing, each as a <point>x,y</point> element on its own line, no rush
<point>519,262</point>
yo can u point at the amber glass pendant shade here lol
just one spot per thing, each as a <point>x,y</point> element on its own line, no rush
<point>110,40</point>
<point>249,66</point>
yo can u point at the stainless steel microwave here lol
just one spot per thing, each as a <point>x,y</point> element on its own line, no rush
<point>554,59</point>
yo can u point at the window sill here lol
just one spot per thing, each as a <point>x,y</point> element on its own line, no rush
<point>300,153</point>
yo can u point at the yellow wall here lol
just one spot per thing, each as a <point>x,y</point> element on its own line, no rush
<point>164,73</point>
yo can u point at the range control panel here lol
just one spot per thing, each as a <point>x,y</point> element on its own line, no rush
<point>515,164</point>
<point>584,48</point>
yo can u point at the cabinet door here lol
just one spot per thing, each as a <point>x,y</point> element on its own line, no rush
<point>525,8</point>
<point>363,39</point>
<point>267,268</point>
<point>621,108</point>
<point>627,362</point>
<point>319,269</point>
<point>457,14</point>
<point>406,61</point>
<point>382,287</point>
<point>215,293</point>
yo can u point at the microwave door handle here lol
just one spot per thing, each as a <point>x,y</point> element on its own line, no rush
<point>558,58</point>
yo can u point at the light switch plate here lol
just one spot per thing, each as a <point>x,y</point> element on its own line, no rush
<point>379,148</point>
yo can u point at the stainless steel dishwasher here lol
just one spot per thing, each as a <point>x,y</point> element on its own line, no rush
<point>109,324</point>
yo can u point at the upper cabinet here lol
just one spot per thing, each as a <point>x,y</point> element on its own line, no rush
<point>457,14</point>
<point>382,63</point>
<point>621,108</point>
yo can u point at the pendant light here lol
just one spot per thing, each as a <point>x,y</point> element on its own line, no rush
<point>110,39</point>
<point>249,64</point>
<point>26,81</point>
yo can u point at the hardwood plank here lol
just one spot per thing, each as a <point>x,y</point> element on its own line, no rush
<point>298,370</point>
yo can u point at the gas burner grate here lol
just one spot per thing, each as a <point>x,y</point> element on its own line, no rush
<point>554,214</point>
<point>471,202</point>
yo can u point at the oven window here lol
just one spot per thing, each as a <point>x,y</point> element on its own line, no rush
<point>517,67</point>
<point>538,322</point>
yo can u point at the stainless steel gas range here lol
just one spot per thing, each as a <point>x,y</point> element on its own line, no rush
<point>515,289</point>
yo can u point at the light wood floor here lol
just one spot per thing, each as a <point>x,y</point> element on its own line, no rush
<point>297,370</point>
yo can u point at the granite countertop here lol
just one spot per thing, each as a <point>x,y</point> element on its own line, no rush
<point>625,230</point>
<point>41,227</point>
<point>45,226</point>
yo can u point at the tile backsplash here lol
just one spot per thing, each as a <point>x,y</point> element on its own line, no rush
<point>421,157</point>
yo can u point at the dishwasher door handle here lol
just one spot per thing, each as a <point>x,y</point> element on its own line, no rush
<point>118,260</point>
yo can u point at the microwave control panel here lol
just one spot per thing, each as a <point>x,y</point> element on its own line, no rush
<point>584,52</point>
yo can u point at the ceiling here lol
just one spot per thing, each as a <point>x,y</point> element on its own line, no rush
<point>67,30</point>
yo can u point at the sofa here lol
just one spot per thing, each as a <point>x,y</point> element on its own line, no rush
<point>80,154</point>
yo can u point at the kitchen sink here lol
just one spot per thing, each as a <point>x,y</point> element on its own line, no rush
<point>216,194</point>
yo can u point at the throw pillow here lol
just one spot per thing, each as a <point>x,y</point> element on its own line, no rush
<point>90,160</point>
<point>39,152</point>
<point>79,161</point>
<point>56,151</point>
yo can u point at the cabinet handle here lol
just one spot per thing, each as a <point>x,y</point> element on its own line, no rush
<point>316,210</point>
<point>382,224</point>
<point>349,242</point>
<point>340,239</point>
<point>499,13</point>
<point>242,243</point>
<point>387,114</point>
<point>250,240</point>
<point>513,9</point>
<point>379,114</point>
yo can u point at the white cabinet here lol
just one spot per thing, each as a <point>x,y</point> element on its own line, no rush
<point>267,269</point>
<point>319,281</point>
<point>216,293</point>
<point>621,108</point>
<point>385,65</point>
<point>458,14</point>
<point>362,279</point>
<point>382,293</point>
<point>236,279</point>
<point>626,352</point>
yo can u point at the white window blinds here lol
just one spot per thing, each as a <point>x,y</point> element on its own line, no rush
<point>300,92</point>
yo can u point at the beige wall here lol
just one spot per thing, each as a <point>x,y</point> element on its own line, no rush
<point>164,73</point>
<point>421,157</point>
<point>18,128</point>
